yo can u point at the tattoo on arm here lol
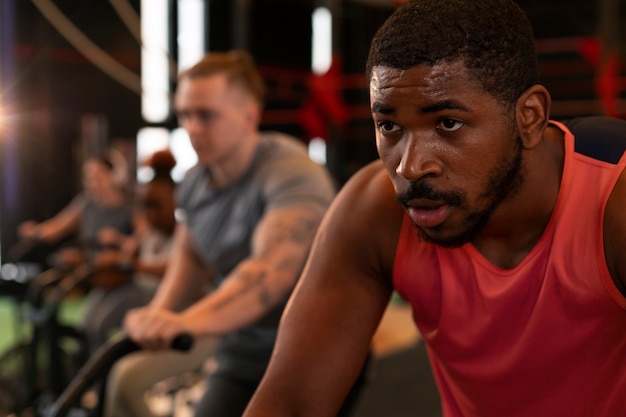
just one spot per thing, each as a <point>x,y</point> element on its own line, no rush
<point>282,233</point>
<point>251,281</point>
<point>291,230</point>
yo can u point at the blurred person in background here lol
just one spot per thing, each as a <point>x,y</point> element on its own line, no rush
<point>102,206</point>
<point>251,207</point>
<point>143,255</point>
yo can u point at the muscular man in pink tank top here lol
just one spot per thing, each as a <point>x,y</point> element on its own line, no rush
<point>504,230</point>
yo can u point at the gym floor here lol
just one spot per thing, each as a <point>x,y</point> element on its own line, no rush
<point>401,383</point>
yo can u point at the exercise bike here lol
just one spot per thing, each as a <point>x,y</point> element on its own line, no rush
<point>40,365</point>
<point>95,372</point>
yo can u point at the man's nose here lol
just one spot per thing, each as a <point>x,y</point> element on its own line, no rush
<point>418,159</point>
<point>191,124</point>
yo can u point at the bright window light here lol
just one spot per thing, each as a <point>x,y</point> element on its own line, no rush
<point>183,152</point>
<point>321,47</point>
<point>155,78</point>
<point>317,150</point>
<point>153,139</point>
<point>191,30</point>
<point>149,140</point>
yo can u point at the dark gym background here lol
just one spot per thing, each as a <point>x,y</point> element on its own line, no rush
<point>59,101</point>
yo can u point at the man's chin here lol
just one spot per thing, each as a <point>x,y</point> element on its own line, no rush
<point>442,239</point>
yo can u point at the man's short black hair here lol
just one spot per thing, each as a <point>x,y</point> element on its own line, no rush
<point>493,38</point>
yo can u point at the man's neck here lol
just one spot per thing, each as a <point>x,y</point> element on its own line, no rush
<point>235,165</point>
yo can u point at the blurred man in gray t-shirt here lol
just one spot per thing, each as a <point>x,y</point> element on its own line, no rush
<point>251,208</point>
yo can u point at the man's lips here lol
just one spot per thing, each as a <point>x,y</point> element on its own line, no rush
<point>428,214</point>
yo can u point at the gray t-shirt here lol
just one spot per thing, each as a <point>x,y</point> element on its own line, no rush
<point>95,217</point>
<point>222,223</point>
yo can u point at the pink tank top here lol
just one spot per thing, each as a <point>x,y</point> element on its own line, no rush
<point>544,339</point>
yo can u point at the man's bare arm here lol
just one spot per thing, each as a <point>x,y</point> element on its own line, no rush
<point>185,281</point>
<point>64,223</point>
<point>186,277</point>
<point>280,246</point>
<point>325,333</point>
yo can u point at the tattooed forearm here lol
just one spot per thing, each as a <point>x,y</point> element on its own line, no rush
<point>250,281</point>
<point>290,230</point>
<point>280,246</point>
<point>291,264</point>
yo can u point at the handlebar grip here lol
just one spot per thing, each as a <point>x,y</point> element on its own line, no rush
<point>99,365</point>
<point>183,342</point>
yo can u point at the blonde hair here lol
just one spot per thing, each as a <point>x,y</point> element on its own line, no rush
<point>239,67</point>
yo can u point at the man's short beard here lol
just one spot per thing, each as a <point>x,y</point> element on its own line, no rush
<point>504,182</point>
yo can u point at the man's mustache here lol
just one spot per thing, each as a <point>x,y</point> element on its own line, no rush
<point>421,190</point>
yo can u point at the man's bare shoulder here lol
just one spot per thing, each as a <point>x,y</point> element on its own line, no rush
<point>372,185</point>
<point>366,217</point>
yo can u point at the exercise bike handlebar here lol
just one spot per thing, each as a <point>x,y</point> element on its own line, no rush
<point>99,365</point>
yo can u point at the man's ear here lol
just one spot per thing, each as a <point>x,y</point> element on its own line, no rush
<point>254,113</point>
<point>532,112</point>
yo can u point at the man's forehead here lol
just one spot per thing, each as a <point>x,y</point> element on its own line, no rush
<point>383,77</point>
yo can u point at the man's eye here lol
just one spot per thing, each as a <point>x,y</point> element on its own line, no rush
<point>450,125</point>
<point>205,116</point>
<point>387,127</point>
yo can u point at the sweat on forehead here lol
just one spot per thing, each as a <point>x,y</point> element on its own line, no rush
<point>493,38</point>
